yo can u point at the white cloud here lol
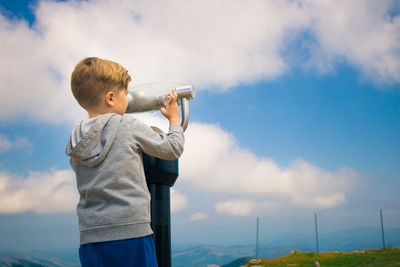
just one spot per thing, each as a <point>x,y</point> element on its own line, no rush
<point>359,32</point>
<point>198,216</point>
<point>210,44</point>
<point>235,207</point>
<point>7,144</point>
<point>178,201</point>
<point>43,192</point>
<point>223,167</point>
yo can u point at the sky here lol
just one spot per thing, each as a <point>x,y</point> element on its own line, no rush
<point>297,111</point>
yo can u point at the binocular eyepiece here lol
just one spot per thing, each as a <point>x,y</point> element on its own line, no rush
<point>153,96</point>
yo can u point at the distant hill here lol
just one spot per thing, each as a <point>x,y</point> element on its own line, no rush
<point>359,238</point>
<point>36,258</point>
<point>203,255</point>
<point>28,262</point>
<point>238,262</point>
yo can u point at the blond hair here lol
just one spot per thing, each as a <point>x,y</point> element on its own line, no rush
<point>93,77</point>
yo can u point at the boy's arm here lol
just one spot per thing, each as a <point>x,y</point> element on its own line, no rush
<point>165,146</point>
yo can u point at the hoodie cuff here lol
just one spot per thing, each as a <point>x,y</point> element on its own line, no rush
<point>175,127</point>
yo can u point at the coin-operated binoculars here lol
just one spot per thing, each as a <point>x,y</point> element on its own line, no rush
<point>160,174</point>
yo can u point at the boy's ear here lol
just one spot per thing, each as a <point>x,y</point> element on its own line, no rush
<point>110,97</point>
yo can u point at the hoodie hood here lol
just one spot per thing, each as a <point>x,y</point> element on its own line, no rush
<point>92,139</point>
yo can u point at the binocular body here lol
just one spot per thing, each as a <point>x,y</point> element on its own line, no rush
<point>153,96</point>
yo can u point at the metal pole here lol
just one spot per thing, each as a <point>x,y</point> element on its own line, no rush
<point>316,231</point>
<point>258,219</point>
<point>160,176</point>
<point>383,234</point>
<point>161,222</point>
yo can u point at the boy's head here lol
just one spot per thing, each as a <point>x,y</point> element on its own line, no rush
<point>94,77</point>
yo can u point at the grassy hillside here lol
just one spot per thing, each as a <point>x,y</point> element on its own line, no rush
<point>389,257</point>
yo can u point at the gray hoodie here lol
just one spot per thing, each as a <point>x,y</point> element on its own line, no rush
<point>105,153</point>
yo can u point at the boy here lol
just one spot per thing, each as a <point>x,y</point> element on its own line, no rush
<point>105,153</point>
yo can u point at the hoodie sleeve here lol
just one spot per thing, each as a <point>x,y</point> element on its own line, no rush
<point>164,146</point>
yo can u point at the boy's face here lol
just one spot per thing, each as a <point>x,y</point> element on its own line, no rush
<point>121,102</point>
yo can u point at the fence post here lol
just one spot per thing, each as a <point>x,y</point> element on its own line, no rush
<point>383,234</point>
<point>258,219</point>
<point>316,232</point>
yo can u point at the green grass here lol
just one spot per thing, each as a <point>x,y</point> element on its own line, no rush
<point>389,257</point>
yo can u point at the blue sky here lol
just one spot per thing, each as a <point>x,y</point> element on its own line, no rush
<point>297,111</point>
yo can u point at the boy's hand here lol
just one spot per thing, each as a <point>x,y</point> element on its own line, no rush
<point>171,110</point>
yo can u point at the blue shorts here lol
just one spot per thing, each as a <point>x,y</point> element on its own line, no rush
<point>138,252</point>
